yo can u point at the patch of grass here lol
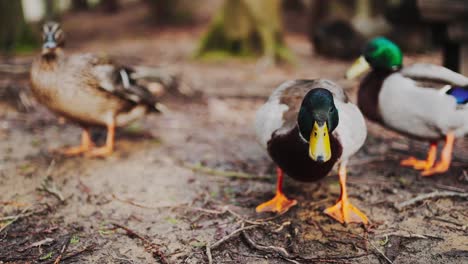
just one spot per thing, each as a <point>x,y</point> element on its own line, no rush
<point>74,240</point>
<point>214,194</point>
<point>403,181</point>
<point>35,142</point>
<point>197,244</point>
<point>103,230</point>
<point>46,256</point>
<point>172,220</point>
<point>384,241</point>
<point>26,168</point>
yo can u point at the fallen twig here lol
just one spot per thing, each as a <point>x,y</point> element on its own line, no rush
<point>131,202</point>
<point>226,209</point>
<point>44,241</point>
<point>49,186</point>
<point>269,249</point>
<point>229,174</point>
<point>208,253</point>
<point>149,246</point>
<point>432,195</point>
<point>13,203</point>
<point>379,251</point>
<point>16,218</point>
<point>458,226</point>
<point>62,251</point>
<point>407,234</point>
<point>76,253</point>
<point>231,235</point>
<point>450,188</point>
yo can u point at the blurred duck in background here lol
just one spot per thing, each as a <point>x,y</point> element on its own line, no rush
<point>88,90</point>
<point>308,126</point>
<point>423,101</point>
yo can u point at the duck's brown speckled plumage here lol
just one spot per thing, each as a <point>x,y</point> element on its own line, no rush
<point>368,94</point>
<point>71,87</point>
<point>87,89</point>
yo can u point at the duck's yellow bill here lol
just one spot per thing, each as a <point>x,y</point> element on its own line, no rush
<point>359,67</point>
<point>319,143</point>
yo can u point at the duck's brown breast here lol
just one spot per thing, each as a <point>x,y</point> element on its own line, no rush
<point>291,154</point>
<point>368,95</point>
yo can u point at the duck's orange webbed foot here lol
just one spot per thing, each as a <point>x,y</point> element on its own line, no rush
<point>422,164</point>
<point>101,152</point>
<point>444,164</point>
<point>280,203</point>
<point>343,211</point>
<point>86,145</point>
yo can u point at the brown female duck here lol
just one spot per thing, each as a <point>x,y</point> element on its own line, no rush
<point>87,90</point>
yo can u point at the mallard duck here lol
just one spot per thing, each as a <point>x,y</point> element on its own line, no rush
<point>88,90</point>
<point>307,126</point>
<point>423,101</point>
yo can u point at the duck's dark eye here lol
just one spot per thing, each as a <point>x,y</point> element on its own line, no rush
<point>315,133</point>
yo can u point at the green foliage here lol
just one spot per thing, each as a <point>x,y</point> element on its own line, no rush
<point>15,34</point>
<point>46,256</point>
<point>74,240</point>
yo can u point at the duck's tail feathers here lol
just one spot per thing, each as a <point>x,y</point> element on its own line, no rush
<point>131,90</point>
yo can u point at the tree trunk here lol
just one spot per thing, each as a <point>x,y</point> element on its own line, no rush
<point>13,28</point>
<point>110,6</point>
<point>246,28</point>
<point>165,11</point>
<point>80,5</point>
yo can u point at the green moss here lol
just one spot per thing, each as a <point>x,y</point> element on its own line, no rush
<point>46,256</point>
<point>245,28</point>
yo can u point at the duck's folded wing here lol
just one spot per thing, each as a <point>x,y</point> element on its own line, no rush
<point>436,73</point>
<point>117,80</point>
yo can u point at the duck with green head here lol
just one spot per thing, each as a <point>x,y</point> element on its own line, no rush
<point>423,101</point>
<point>308,126</point>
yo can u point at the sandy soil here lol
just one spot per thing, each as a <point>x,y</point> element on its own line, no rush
<point>145,205</point>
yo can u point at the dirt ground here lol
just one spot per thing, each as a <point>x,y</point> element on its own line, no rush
<point>161,197</point>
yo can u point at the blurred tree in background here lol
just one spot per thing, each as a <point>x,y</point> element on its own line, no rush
<point>15,33</point>
<point>169,11</point>
<point>246,28</point>
<point>110,6</point>
<point>80,5</point>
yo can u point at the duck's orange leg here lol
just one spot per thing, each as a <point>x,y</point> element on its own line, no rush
<point>446,157</point>
<point>343,211</point>
<point>86,145</point>
<point>107,149</point>
<point>280,203</point>
<point>422,164</point>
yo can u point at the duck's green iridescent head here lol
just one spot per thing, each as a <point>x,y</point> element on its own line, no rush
<point>380,54</point>
<point>317,118</point>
